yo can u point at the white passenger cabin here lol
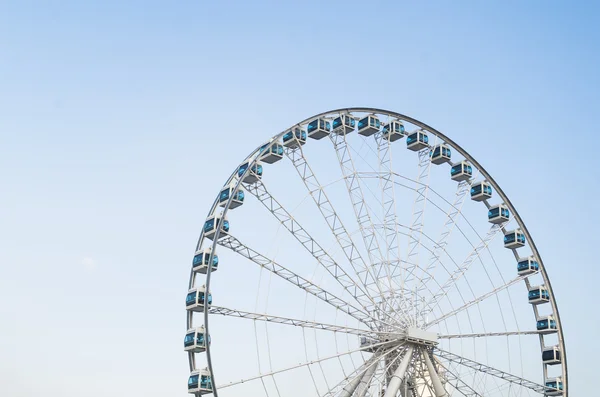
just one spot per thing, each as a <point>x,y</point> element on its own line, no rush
<point>236,201</point>
<point>481,191</point>
<point>514,239</point>
<point>213,223</point>
<point>393,131</point>
<point>318,128</point>
<point>202,259</point>
<point>271,153</point>
<point>196,298</point>
<point>417,140</point>
<point>200,382</point>
<point>195,340</point>
<point>440,154</point>
<point>498,214</point>
<point>343,124</point>
<point>368,125</point>
<point>538,295</point>
<point>253,175</point>
<point>294,138</point>
<point>551,355</point>
<point>461,171</point>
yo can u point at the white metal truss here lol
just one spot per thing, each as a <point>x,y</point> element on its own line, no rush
<point>490,370</point>
<point>459,271</point>
<point>327,210</point>
<point>235,245</point>
<point>440,246</point>
<point>461,386</point>
<point>287,321</point>
<point>490,334</point>
<point>260,191</point>
<point>475,301</point>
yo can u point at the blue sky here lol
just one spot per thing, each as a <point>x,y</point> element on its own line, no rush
<point>119,123</point>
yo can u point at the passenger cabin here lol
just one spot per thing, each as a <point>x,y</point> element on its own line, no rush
<point>440,154</point>
<point>393,131</point>
<point>253,175</point>
<point>237,197</point>
<point>318,128</point>
<point>368,125</point>
<point>294,138</point>
<point>195,340</point>
<point>461,171</point>
<point>546,325</point>
<point>196,298</point>
<point>200,382</point>
<point>214,223</point>
<point>270,153</point>
<point>344,123</point>
<point>514,239</point>
<point>498,214</point>
<point>202,259</point>
<point>551,355</point>
<point>481,191</point>
<point>538,295</point>
<point>554,387</point>
<point>527,266</point>
<point>417,140</point>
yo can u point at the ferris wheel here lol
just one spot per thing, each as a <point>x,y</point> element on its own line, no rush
<point>361,252</point>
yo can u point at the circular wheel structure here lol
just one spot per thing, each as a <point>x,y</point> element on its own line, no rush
<point>363,253</point>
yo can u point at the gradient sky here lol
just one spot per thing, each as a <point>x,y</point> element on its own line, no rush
<point>120,122</point>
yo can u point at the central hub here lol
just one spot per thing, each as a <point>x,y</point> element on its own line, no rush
<point>411,335</point>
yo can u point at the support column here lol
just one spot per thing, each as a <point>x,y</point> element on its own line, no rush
<point>396,380</point>
<point>364,370</point>
<point>363,387</point>
<point>435,379</point>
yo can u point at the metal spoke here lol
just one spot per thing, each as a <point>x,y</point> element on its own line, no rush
<point>363,217</point>
<point>461,386</point>
<point>235,245</point>
<point>317,192</point>
<point>474,301</point>
<point>300,365</point>
<point>288,321</point>
<point>260,191</point>
<point>489,334</point>
<point>490,371</point>
<point>460,271</point>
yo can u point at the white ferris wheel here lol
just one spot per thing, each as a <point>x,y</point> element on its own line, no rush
<point>363,253</point>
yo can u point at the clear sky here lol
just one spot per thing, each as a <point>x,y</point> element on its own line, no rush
<point>120,122</point>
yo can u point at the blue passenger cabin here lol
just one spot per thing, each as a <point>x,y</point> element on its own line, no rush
<point>195,340</point>
<point>440,154</point>
<point>237,197</point>
<point>393,131</point>
<point>481,191</point>
<point>546,325</point>
<point>538,295</point>
<point>498,214</point>
<point>253,175</point>
<point>202,259</point>
<point>200,382</point>
<point>514,239</point>
<point>369,125</point>
<point>461,171</point>
<point>344,124</point>
<point>551,355</point>
<point>528,266</point>
<point>294,138</point>
<point>214,223</point>
<point>270,153</point>
<point>318,128</point>
<point>196,298</point>
<point>417,140</point>
<point>554,387</point>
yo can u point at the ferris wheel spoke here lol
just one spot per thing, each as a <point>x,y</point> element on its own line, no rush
<point>486,369</point>
<point>451,217</point>
<point>460,271</point>
<point>336,226</point>
<point>475,301</point>
<point>363,218</point>
<point>489,334</point>
<point>236,246</point>
<point>260,191</point>
<point>293,367</point>
<point>457,383</point>
<point>288,321</point>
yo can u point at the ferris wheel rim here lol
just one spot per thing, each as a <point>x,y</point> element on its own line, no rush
<point>253,158</point>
